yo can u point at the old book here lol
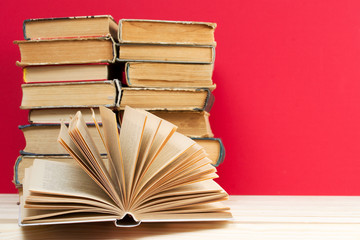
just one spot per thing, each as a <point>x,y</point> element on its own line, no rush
<point>166,32</point>
<point>58,115</point>
<point>41,140</point>
<point>70,27</point>
<point>70,73</point>
<point>147,74</point>
<point>155,175</point>
<point>66,51</point>
<point>166,53</point>
<point>70,94</point>
<point>213,147</point>
<point>167,99</point>
<point>110,94</point>
<point>26,161</point>
<point>189,123</point>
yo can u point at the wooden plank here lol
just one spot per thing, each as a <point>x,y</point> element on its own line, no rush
<point>300,209</point>
<point>256,217</point>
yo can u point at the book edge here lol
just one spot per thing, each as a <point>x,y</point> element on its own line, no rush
<point>62,18</point>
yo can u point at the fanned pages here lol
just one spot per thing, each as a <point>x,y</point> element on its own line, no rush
<point>151,173</point>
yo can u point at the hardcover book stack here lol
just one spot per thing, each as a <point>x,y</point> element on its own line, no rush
<point>172,58</point>
<point>78,63</point>
<point>68,64</point>
<point>84,168</point>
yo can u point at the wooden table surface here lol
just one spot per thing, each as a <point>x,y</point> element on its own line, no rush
<point>256,217</point>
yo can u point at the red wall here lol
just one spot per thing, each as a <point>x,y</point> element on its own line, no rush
<point>288,98</point>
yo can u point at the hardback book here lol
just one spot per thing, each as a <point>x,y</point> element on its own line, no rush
<point>59,115</point>
<point>193,124</point>
<point>148,74</point>
<point>214,147</point>
<point>71,94</point>
<point>166,53</point>
<point>40,140</point>
<point>26,161</point>
<point>71,73</point>
<point>67,51</point>
<point>189,123</point>
<point>70,27</point>
<point>166,32</point>
<point>155,175</point>
<point>111,94</point>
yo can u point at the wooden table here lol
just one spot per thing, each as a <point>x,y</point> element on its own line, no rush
<point>256,217</point>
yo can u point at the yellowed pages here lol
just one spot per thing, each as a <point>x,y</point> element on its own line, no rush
<point>156,174</point>
<point>151,128</point>
<point>131,133</point>
<point>78,131</point>
<point>45,178</point>
<point>165,131</point>
<point>65,140</point>
<point>176,145</point>
<point>112,142</point>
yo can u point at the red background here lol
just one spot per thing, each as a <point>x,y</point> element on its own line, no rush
<point>288,98</point>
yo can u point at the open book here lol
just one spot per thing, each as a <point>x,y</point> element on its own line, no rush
<point>151,174</point>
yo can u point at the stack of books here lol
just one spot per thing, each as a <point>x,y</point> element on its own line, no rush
<point>174,61</point>
<point>78,63</point>
<point>68,64</point>
<point>104,75</point>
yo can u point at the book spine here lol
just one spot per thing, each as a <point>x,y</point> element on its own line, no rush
<point>213,55</point>
<point>209,101</point>
<point>29,117</point>
<point>16,176</point>
<point>115,47</point>
<point>222,152</point>
<point>24,74</point>
<point>118,93</point>
<point>126,76</point>
<point>120,31</point>
<point>24,28</point>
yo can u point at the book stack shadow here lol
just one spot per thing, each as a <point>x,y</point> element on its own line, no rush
<point>79,63</point>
